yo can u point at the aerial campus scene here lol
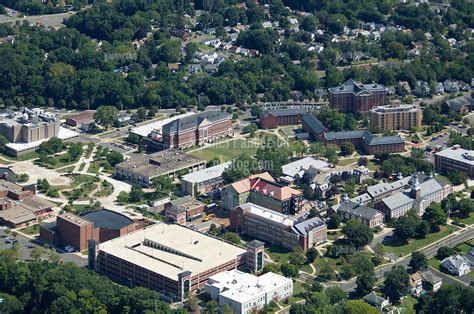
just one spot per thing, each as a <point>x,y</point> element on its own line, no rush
<point>237,156</point>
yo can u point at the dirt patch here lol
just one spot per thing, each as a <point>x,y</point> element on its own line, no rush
<point>36,172</point>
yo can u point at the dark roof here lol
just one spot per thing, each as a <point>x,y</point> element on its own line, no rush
<point>367,136</point>
<point>282,112</point>
<point>306,226</point>
<point>357,210</point>
<point>255,244</point>
<point>107,219</point>
<point>356,88</point>
<point>344,135</point>
<point>459,102</point>
<point>313,123</point>
<point>194,120</point>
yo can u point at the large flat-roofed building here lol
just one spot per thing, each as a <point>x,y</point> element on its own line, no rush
<point>261,189</point>
<point>143,169</point>
<point>170,259</point>
<point>274,227</point>
<point>272,118</point>
<point>247,293</point>
<point>101,225</point>
<point>28,127</point>
<point>19,205</point>
<point>419,196</point>
<point>366,141</point>
<point>204,181</point>
<point>396,117</point>
<point>355,97</point>
<point>197,129</point>
<point>455,159</point>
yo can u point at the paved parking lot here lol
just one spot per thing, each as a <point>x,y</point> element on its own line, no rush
<point>26,245</point>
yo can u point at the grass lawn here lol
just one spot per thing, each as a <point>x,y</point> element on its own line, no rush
<point>78,208</point>
<point>61,160</point>
<point>409,303</point>
<point>346,162</point>
<point>333,235</point>
<point>227,151</point>
<point>392,245</point>
<point>278,253</point>
<point>434,262</point>
<point>27,156</point>
<point>372,166</point>
<point>31,230</point>
<point>297,287</point>
<point>468,221</point>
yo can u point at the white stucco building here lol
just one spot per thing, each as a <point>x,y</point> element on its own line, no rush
<point>246,293</point>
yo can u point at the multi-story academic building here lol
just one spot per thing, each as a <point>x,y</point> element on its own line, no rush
<point>272,118</point>
<point>197,129</point>
<point>279,229</point>
<point>355,97</point>
<point>455,159</point>
<point>262,190</point>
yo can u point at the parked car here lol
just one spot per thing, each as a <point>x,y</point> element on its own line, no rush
<point>69,249</point>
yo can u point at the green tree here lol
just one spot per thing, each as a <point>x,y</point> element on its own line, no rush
<point>232,237</point>
<point>75,151</point>
<point>136,193</point>
<point>347,149</point>
<point>365,283</point>
<point>396,283</point>
<point>212,307</point>
<point>445,251</point>
<point>336,295</point>
<point>105,116</point>
<point>297,257</point>
<point>418,262</point>
<point>357,233</point>
<point>331,154</point>
<point>311,255</point>
<point>162,185</point>
<point>334,221</point>
<point>290,270</point>
<point>114,158</point>
<point>435,216</point>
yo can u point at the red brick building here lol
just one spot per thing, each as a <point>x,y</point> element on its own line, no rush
<point>277,228</point>
<point>355,97</point>
<point>366,141</point>
<point>80,118</point>
<point>73,230</point>
<point>197,129</point>
<point>184,209</point>
<point>313,126</point>
<point>272,118</point>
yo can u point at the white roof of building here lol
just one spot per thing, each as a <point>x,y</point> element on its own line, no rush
<point>168,250</point>
<point>242,287</point>
<point>206,174</point>
<point>294,167</point>
<point>63,134</point>
<point>458,154</point>
<point>426,188</point>
<point>269,214</point>
<point>146,129</point>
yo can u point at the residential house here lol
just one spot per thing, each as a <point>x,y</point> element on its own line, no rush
<point>376,300</point>
<point>462,104</point>
<point>194,68</point>
<point>403,88</point>
<point>439,88</point>
<point>416,284</point>
<point>422,89</point>
<point>456,265</point>
<point>431,282</point>
<point>451,86</point>
<point>211,68</point>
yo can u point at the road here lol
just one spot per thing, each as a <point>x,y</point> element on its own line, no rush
<point>464,235</point>
<point>26,245</point>
<point>50,20</point>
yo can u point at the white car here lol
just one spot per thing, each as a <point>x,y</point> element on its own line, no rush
<point>69,249</point>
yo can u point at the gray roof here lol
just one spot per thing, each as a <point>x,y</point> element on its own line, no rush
<point>357,210</point>
<point>356,88</point>
<point>430,277</point>
<point>459,102</point>
<point>107,219</point>
<point>458,154</point>
<point>367,136</point>
<point>306,226</point>
<point>313,123</point>
<point>207,174</point>
<point>364,198</point>
<point>454,262</point>
<point>293,168</point>
<point>255,243</point>
<point>282,112</point>
<point>194,120</point>
<point>427,187</point>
